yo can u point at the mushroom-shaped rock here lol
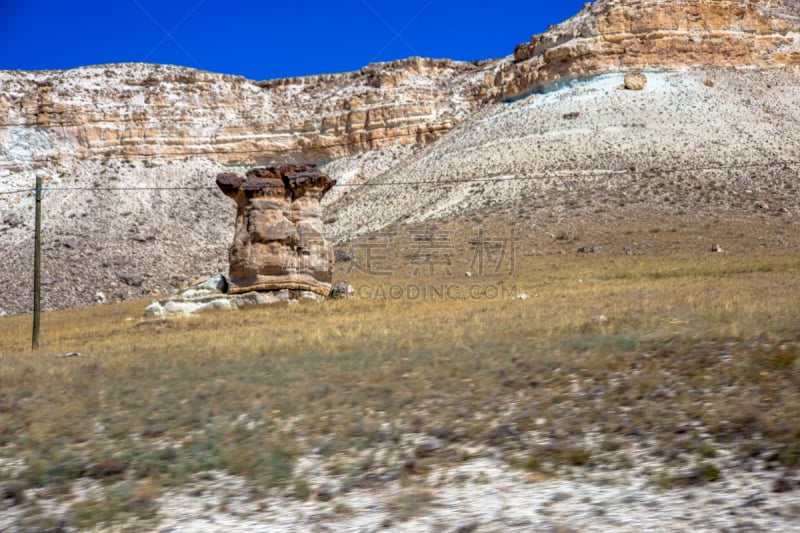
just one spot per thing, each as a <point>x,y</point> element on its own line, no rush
<point>278,242</point>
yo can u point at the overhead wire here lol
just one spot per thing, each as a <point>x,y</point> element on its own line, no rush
<point>489,179</point>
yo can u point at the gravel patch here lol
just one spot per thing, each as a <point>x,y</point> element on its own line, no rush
<point>486,495</point>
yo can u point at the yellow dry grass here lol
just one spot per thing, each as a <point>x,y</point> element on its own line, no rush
<point>621,345</point>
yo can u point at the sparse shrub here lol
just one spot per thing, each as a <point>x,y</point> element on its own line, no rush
<point>265,464</point>
<point>576,456</point>
<point>411,503</point>
<point>708,450</point>
<point>780,358</point>
<point>611,445</point>
<point>156,461</point>
<point>555,456</point>
<point>120,503</point>
<point>13,490</point>
<point>60,472</point>
<point>625,462</point>
<point>301,489</point>
<point>702,474</point>
<point>37,520</point>
<point>533,464</point>
<point>108,467</point>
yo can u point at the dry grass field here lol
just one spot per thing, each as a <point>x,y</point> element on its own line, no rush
<point>675,356</point>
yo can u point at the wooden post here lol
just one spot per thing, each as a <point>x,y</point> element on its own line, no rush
<point>37,267</point>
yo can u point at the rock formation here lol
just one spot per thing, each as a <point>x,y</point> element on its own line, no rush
<point>635,81</point>
<point>152,112</point>
<point>279,243</point>
<point>618,35</point>
<point>213,295</point>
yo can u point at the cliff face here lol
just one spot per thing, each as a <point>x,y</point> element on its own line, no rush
<point>618,35</point>
<point>135,111</point>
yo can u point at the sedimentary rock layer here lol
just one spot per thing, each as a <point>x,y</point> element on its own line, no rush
<point>137,111</point>
<point>618,35</point>
<point>279,242</point>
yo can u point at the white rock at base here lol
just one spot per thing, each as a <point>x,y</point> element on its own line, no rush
<point>202,300</point>
<point>154,310</point>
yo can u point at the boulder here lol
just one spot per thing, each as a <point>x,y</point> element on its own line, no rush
<point>278,241</point>
<point>134,278</point>
<point>178,307</point>
<point>217,283</point>
<point>635,81</point>
<point>590,250</point>
<point>12,220</point>
<point>343,256</point>
<point>342,290</point>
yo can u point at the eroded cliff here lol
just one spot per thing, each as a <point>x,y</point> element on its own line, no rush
<point>137,111</point>
<point>619,35</point>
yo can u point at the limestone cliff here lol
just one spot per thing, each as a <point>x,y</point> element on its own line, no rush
<point>138,111</point>
<point>618,35</point>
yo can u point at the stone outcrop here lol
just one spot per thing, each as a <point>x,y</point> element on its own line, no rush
<point>278,242</point>
<point>635,81</point>
<point>619,35</point>
<point>342,290</point>
<point>212,295</point>
<point>152,112</point>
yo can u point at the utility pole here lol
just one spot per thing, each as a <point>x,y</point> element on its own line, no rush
<point>37,267</point>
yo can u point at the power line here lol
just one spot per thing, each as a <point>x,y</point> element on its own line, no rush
<point>57,189</point>
<point>565,173</point>
<point>554,175</point>
<point>130,188</point>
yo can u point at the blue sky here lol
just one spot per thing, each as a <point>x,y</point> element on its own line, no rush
<point>265,39</point>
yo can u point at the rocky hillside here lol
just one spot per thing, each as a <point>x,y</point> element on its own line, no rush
<point>709,142</point>
<point>542,134</point>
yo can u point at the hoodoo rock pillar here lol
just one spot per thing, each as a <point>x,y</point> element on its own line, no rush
<point>278,242</point>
